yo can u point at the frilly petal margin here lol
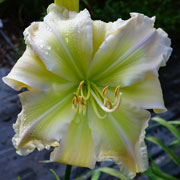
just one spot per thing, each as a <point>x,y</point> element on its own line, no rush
<point>128,53</point>
<point>74,32</point>
<point>44,119</point>
<point>120,137</point>
<point>63,41</point>
<point>141,152</point>
<point>102,30</point>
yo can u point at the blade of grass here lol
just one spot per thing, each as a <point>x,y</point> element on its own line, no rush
<point>55,175</point>
<point>113,172</point>
<point>171,128</point>
<point>162,175</point>
<point>87,175</point>
<point>96,175</point>
<point>157,171</point>
<point>177,122</point>
<point>151,175</point>
<point>168,151</point>
<point>175,143</point>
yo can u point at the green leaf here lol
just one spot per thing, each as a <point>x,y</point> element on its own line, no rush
<point>155,173</point>
<point>1,1</point>
<point>55,175</point>
<point>167,124</point>
<point>87,175</point>
<point>162,175</point>
<point>168,151</point>
<point>18,178</point>
<point>175,143</point>
<point>96,175</point>
<point>177,122</point>
<point>151,175</point>
<point>113,172</point>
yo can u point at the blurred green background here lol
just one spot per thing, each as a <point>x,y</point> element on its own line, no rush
<point>167,12</point>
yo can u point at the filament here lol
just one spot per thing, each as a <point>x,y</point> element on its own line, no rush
<point>105,108</point>
<point>94,93</point>
<point>97,112</point>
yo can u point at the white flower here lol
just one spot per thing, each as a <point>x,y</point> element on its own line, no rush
<point>89,85</point>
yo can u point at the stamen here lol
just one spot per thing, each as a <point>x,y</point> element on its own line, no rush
<point>80,85</point>
<point>104,91</point>
<point>81,100</point>
<point>109,104</point>
<point>82,106</point>
<point>75,102</point>
<point>75,95</point>
<point>116,92</point>
<point>96,111</point>
<point>105,108</point>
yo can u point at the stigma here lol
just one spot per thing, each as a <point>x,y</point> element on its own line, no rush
<point>102,105</point>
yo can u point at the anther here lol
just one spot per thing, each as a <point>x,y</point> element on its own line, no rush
<point>75,102</point>
<point>75,96</point>
<point>116,106</point>
<point>104,91</point>
<point>81,100</point>
<point>80,85</point>
<point>109,104</point>
<point>116,92</point>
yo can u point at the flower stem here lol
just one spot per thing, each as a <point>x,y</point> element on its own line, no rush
<point>67,172</point>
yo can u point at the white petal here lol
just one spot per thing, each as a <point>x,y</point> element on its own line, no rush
<point>44,119</point>
<point>63,41</point>
<point>102,30</point>
<point>130,52</point>
<point>119,137</point>
<point>30,72</point>
<point>146,94</point>
<point>74,31</point>
<point>76,147</point>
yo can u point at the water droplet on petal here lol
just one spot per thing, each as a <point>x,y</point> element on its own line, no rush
<point>48,28</point>
<point>48,47</point>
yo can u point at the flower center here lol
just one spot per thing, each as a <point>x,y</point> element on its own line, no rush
<point>102,105</point>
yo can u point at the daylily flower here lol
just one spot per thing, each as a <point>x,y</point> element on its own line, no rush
<point>89,83</point>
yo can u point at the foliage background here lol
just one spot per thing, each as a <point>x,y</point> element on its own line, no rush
<point>167,12</point>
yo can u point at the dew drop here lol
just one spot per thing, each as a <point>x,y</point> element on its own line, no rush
<point>48,28</point>
<point>48,47</point>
